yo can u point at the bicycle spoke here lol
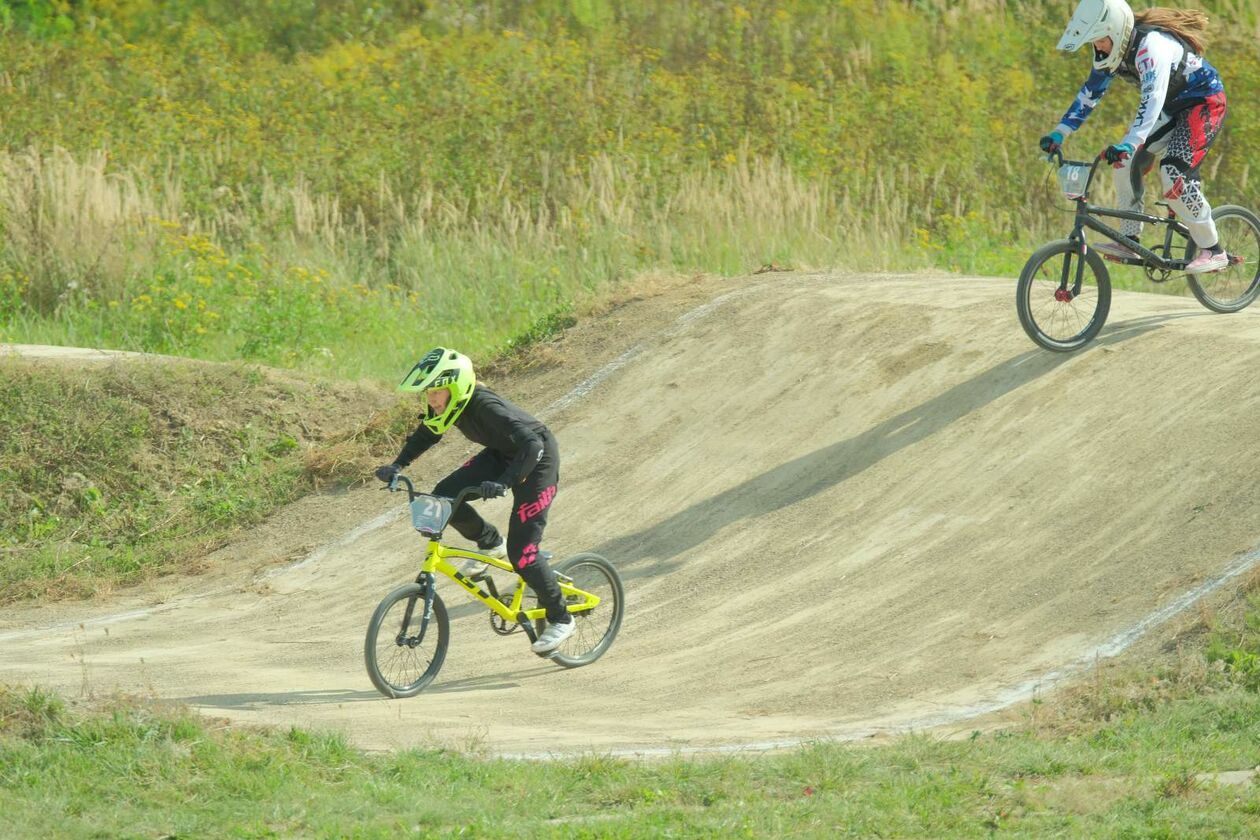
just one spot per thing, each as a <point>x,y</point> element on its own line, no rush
<point>1233,287</point>
<point>595,628</point>
<point>399,663</point>
<point>1054,317</point>
<point>1061,320</point>
<point>591,624</point>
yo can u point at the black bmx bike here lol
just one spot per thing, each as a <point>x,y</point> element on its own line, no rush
<point>1064,291</point>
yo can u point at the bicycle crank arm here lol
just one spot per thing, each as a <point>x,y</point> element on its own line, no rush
<point>528,625</point>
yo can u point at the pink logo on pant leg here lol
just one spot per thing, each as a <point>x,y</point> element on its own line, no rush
<point>528,510</point>
<point>528,555</point>
<point>1178,187</point>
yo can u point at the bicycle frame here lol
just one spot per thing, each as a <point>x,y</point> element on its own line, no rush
<point>1085,218</point>
<point>436,561</point>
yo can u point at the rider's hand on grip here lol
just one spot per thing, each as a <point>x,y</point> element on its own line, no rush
<point>1052,142</point>
<point>1117,153</point>
<point>492,489</point>
<point>388,472</point>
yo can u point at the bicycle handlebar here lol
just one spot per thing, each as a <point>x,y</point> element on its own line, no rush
<point>472,492</point>
<point>1057,157</point>
<point>393,485</point>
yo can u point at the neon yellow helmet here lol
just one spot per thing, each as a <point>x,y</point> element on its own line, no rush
<point>443,368</point>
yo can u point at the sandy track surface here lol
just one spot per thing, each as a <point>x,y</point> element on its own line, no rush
<point>841,505</point>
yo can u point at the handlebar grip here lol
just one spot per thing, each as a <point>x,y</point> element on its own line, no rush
<point>393,485</point>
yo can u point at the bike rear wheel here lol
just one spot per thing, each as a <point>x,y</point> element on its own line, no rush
<point>399,662</point>
<point>596,628</point>
<point>1054,311</point>
<point>1236,286</point>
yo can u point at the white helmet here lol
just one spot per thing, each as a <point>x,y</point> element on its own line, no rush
<point>1095,19</point>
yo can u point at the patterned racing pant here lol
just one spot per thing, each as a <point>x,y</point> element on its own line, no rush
<point>1183,139</point>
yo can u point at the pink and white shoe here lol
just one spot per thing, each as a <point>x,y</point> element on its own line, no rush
<point>1206,261</point>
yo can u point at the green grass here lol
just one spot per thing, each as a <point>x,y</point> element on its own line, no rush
<point>138,771</point>
<point>1238,649</point>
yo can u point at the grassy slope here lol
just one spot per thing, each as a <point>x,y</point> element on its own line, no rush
<point>112,472</point>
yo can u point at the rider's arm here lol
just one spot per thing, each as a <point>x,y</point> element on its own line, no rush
<point>529,451</point>
<point>418,442</point>
<point>514,432</point>
<point>1156,56</point>
<point>1085,102</point>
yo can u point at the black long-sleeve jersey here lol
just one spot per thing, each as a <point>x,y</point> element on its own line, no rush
<point>496,424</point>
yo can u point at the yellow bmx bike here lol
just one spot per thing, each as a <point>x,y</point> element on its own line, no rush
<point>408,634</point>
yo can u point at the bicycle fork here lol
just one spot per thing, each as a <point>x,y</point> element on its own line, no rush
<point>425,579</point>
<point>1063,294</point>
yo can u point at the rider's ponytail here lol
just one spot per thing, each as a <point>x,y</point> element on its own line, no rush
<point>1188,24</point>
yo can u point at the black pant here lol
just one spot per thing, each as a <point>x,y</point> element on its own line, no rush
<point>531,499</point>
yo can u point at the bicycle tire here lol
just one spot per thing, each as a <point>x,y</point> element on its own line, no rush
<point>591,639</point>
<point>383,677</point>
<point>1244,243</point>
<point>1034,296</point>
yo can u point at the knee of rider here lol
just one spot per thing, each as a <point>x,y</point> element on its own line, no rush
<point>1172,179</point>
<point>445,487</point>
<point>522,557</point>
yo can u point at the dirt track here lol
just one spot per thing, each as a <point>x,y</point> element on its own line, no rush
<point>840,505</point>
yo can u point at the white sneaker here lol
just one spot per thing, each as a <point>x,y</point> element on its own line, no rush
<point>472,568</point>
<point>554,636</point>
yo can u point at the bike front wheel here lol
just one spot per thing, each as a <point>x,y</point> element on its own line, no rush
<point>403,653</point>
<point>596,628</point>
<point>1058,312</point>
<point>1235,286</point>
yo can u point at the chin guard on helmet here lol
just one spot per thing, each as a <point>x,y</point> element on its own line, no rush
<point>442,367</point>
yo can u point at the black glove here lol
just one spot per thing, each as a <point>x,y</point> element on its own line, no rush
<point>492,489</point>
<point>387,472</point>
<point>1052,142</point>
<point>1117,153</point>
